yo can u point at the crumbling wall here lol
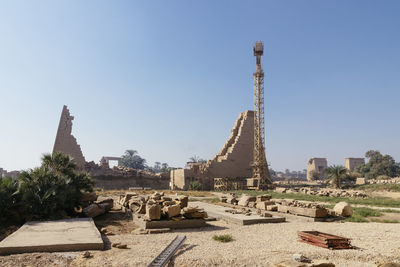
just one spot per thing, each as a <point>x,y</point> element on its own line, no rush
<point>233,161</point>
<point>109,182</point>
<point>120,177</point>
<point>65,142</point>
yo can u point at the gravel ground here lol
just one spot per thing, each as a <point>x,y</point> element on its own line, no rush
<point>253,245</point>
<point>258,245</point>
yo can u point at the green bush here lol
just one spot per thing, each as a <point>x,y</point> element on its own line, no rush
<point>50,191</point>
<point>194,185</point>
<point>223,238</point>
<point>9,200</point>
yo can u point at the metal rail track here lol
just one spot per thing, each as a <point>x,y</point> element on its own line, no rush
<point>162,259</point>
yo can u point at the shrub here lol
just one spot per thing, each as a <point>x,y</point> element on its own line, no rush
<point>194,185</point>
<point>9,200</point>
<point>223,238</point>
<point>50,191</point>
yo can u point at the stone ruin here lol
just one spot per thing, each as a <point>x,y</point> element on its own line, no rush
<point>105,177</point>
<point>159,211</point>
<point>65,142</point>
<point>233,161</point>
<point>316,165</point>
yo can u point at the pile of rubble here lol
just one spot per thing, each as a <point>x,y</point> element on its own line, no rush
<point>361,181</point>
<point>158,206</point>
<point>323,192</point>
<point>264,203</point>
<point>90,208</point>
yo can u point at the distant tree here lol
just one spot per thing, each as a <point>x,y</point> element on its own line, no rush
<point>378,165</point>
<point>157,166</point>
<point>272,172</point>
<point>336,174</point>
<point>164,167</point>
<point>131,159</point>
<point>197,159</point>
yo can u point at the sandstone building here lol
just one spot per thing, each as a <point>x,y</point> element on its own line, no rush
<point>233,161</point>
<point>352,163</point>
<point>316,165</point>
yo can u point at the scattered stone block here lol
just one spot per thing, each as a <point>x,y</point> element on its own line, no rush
<point>245,199</point>
<point>94,210</point>
<point>159,231</point>
<point>343,209</point>
<point>280,190</point>
<point>272,208</point>
<point>262,198</point>
<point>361,181</point>
<point>251,204</point>
<point>264,205</point>
<point>153,212</point>
<point>182,201</point>
<point>172,210</point>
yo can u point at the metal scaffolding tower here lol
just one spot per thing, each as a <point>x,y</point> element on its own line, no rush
<point>260,166</point>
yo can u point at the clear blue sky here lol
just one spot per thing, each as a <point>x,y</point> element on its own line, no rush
<point>169,78</point>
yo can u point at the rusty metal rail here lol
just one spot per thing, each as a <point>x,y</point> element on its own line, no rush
<point>162,259</point>
<point>324,240</point>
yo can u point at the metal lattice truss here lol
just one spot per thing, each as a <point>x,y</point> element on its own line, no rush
<point>260,165</point>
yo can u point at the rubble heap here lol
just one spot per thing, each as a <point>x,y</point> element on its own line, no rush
<point>265,203</point>
<point>323,192</point>
<point>158,206</point>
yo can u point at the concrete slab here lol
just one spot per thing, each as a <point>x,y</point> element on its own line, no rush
<point>219,213</point>
<point>192,223</point>
<point>51,236</point>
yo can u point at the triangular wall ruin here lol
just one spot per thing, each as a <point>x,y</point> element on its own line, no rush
<point>65,142</point>
<point>233,161</point>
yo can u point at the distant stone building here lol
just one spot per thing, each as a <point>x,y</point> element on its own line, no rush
<point>12,174</point>
<point>316,165</point>
<point>352,163</point>
<point>233,161</point>
<point>65,142</point>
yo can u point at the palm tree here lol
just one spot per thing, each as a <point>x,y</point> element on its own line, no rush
<point>58,163</point>
<point>336,174</point>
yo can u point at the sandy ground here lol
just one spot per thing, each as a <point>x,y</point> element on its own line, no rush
<point>254,245</point>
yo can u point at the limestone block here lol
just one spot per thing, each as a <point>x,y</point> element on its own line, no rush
<point>251,204</point>
<point>263,198</point>
<point>272,208</point>
<point>245,199</point>
<point>107,204</point>
<point>343,209</point>
<point>182,201</point>
<point>264,205</point>
<point>168,203</point>
<point>231,200</point>
<point>172,211</point>
<point>361,181</point>
<point>94,210</point>
<point>153,212</point>
<point>280,190</point>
